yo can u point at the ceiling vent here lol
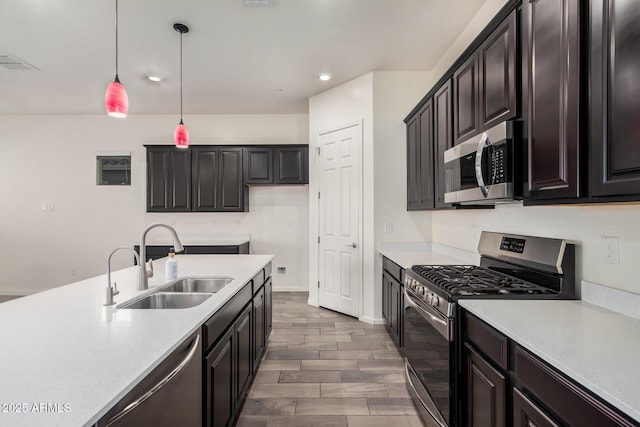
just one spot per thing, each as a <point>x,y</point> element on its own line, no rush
<point>12,63</point>
<point>257,3</point>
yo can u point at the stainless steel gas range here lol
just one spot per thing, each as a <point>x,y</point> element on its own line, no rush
<point>512,267</point>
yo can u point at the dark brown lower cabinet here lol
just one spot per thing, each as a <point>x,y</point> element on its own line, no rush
<point>244,355</point>
<point>220,382</point>
<point>541,395</point>
<point>486,392</point>
<point>268,308</point>
<point>229,371</point>
<point>528,414</point>
<point>259,336</point>
<point>393,299</point>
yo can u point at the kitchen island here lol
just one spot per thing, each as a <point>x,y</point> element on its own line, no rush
<point>66,359</point>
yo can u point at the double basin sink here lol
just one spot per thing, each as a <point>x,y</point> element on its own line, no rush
<point>185,292</point>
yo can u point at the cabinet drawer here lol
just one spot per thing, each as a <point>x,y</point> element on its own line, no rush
<point>219,322</point>
<point>569,401</point>
<point>393,269</point>
<point>258,281</point>
<point>486,339</point>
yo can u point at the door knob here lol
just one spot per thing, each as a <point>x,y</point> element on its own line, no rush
<point>353,245</point>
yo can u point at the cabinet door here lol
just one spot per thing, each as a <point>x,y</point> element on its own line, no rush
<point>205,179</point>
<point>291,165</point>
<point>219,387</point>
<point>258,327</point>
<point>528,414</point>
<point>217,180</point>
<point>486,392</point>
<point>425,117</point>
<point>258,165</point>
<point>231,188</point>
<point>552,101</point>
<point>465,100</point>
<point>168,179</point>
<point>615,97</point>
<point>268,309</point>
<point>443,139</point>
<point>385,297</point>
<point>395,310</point>
<point>413,164</point>
<point>497,72</point>
<point>243,353</point>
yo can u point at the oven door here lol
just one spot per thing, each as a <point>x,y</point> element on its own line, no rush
<point>428,345</point>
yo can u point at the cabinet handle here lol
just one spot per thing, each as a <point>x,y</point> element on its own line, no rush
<point>139,401</point>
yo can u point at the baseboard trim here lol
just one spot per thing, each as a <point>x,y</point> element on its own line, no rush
<point>373,320</point>
<point>289,289</point>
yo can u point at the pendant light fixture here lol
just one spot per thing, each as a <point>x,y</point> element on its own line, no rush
<point>116,100</point>
<point>181,134</point>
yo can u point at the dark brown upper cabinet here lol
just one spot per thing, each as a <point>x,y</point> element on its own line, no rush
<point>551,97</point>
<point>217,179</point>
<point>465,100</point>
<point>498,76</point>
<point>443,139</point>
<point>258,165</point>
<point>277,165</point>
<point>291,165</point>
<point>615,98</point>
<point>485,85</point>
<point>420,159</point>
<point>168,179</point>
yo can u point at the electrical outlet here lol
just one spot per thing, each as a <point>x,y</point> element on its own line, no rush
<point>610,250</point>
<point>282,270</point>
<point>388,227</point>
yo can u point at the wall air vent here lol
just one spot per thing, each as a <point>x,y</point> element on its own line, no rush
<point>12,63</point>
<point>257,3</point>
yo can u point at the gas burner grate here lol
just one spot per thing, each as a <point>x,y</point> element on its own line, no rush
<point>473,280</point>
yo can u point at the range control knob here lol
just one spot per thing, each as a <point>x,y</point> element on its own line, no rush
<point>435,301</point>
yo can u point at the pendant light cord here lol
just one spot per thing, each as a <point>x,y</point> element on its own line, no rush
<point>181,77</point>
<point>116,38</point>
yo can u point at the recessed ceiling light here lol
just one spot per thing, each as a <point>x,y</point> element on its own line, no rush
<point>324,77</point>
<point>153,77</point>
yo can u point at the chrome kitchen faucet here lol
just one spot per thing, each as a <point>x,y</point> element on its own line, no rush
<point>113,290</point>
<point>143,282</point>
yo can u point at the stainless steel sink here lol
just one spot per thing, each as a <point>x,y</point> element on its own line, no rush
<point>164,300</point>
<point>198,284</point>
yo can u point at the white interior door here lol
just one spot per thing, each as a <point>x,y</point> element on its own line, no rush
<point>339,183</point>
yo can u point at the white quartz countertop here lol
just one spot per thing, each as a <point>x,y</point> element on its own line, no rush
<point>65,349</point>
<point>407,259</point>
<point>598,348</point>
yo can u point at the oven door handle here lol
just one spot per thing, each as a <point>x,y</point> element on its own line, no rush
<point>431,408</point>
<point>435,319</point>
<point>484,142</point>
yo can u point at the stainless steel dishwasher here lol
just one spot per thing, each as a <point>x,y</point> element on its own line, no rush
<point>171,395</point>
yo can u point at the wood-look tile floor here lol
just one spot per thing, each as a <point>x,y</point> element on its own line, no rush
<point>323,368</point>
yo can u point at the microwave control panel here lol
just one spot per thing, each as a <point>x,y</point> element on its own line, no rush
<point>499,160</point>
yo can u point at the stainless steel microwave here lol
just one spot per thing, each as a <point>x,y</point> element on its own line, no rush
<point>484,169</point>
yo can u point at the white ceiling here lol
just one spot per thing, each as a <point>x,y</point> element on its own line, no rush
<point>237,60</point>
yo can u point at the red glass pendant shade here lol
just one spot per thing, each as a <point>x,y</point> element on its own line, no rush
<point>116,100</point>
<point>181,136</point>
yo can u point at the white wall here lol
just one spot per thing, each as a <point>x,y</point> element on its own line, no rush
<point>380,100</point>
<point>395,94</point>
<point>51,159</point>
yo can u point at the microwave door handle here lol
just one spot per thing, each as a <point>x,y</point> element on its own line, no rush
<point>484,141</point>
